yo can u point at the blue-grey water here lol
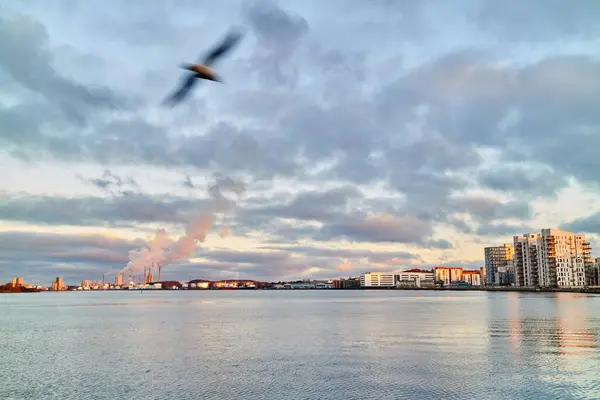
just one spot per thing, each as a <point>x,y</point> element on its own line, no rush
<point>299,345</point>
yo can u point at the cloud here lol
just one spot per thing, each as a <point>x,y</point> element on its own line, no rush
<point>97,211</point>
<point>379,257</point>
<point>379,228</point>
<point>39,257</point>
<point>489,209</point>
<point>554,20</point>
<point>522,181</point>
<point>26,56</point>
<point>112,184</point>
<point>278,34</point>
<point>590,224</point>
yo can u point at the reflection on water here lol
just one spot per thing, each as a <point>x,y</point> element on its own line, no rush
<point>552,339</point>
<point>301,345</point>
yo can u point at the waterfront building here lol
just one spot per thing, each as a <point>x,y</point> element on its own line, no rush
<point>414,278</point>
<point>473,278</point>
<point>346,283</point>
<point>563,258</point>
<point>553,258</point>
<point>592,277</point>
<point>499,265</point>
<point>406,278</point>
<point>526,260</point>
<point>377,279</point>
<point>447,275</point>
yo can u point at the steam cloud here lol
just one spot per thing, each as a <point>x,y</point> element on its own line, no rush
<point>162,250</point>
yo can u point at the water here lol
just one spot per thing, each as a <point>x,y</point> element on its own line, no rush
<point>299,345</point>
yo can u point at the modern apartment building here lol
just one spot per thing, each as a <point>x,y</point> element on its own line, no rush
<point>447,275</point>
<point>472,277</point>
<point>526,259</point>
<point>499,265</point>
<point>563,257</point>
<point>554,258</point>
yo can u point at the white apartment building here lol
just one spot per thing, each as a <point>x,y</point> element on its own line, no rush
<point>554,258</point>
<point>563,259</point>
<point>377,279</point>
<point>391,279</point>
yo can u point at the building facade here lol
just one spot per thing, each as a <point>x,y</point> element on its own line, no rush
<point>499,265</point>
<point>563,257</point>
<point>473,278</point>
<point>377,279</point>
<point>447,275</point>
<point>553,259</point>
<point>526,260</point>
<point>415,278</point>
<point>408,278</point>
<point>349,283</point>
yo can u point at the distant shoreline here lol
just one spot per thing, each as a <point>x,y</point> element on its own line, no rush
<point>595,290</point>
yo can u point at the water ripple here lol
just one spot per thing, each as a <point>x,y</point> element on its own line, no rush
<point>305,345</point>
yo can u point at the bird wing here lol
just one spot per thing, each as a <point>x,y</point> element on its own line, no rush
<point>230,40</point>
<point>183,90</point>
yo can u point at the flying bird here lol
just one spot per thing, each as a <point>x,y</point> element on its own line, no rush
<point>202,69</point>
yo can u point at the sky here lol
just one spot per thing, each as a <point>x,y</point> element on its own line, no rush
<point>348,135</point>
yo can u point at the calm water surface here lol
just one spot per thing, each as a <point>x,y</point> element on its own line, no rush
<point>299,345</point>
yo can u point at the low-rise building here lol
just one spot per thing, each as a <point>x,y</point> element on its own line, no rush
<point>349,283</point>
<point>407,278</point>
<point>377,279</point>
<point>415,278</point>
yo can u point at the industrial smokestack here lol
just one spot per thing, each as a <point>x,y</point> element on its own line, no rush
<point>162,250</point>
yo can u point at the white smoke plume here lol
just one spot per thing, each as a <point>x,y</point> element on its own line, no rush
<point>162,250</point>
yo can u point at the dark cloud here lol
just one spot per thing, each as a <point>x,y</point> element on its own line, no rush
<point>26,56</point>
<point>39,257</point>
<point>383,257</point>
<point>524,181</point>
<point>314,205</point>
<point>590,224</point>
<point>187,182</point>
<point>113,184</point>
<point>371,228</point>
<point>122,210</point>
<point>278,33</point>
<point>489,209</point>
<point>503,229</point>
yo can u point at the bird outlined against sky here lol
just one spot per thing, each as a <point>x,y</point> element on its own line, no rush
<point>202,69</point>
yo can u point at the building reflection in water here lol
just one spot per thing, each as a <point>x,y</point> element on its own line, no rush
<point>552,338</point>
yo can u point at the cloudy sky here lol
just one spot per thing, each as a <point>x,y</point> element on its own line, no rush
<point>368,135</point>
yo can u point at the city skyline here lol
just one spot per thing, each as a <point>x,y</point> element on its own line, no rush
<point>342,156</point>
